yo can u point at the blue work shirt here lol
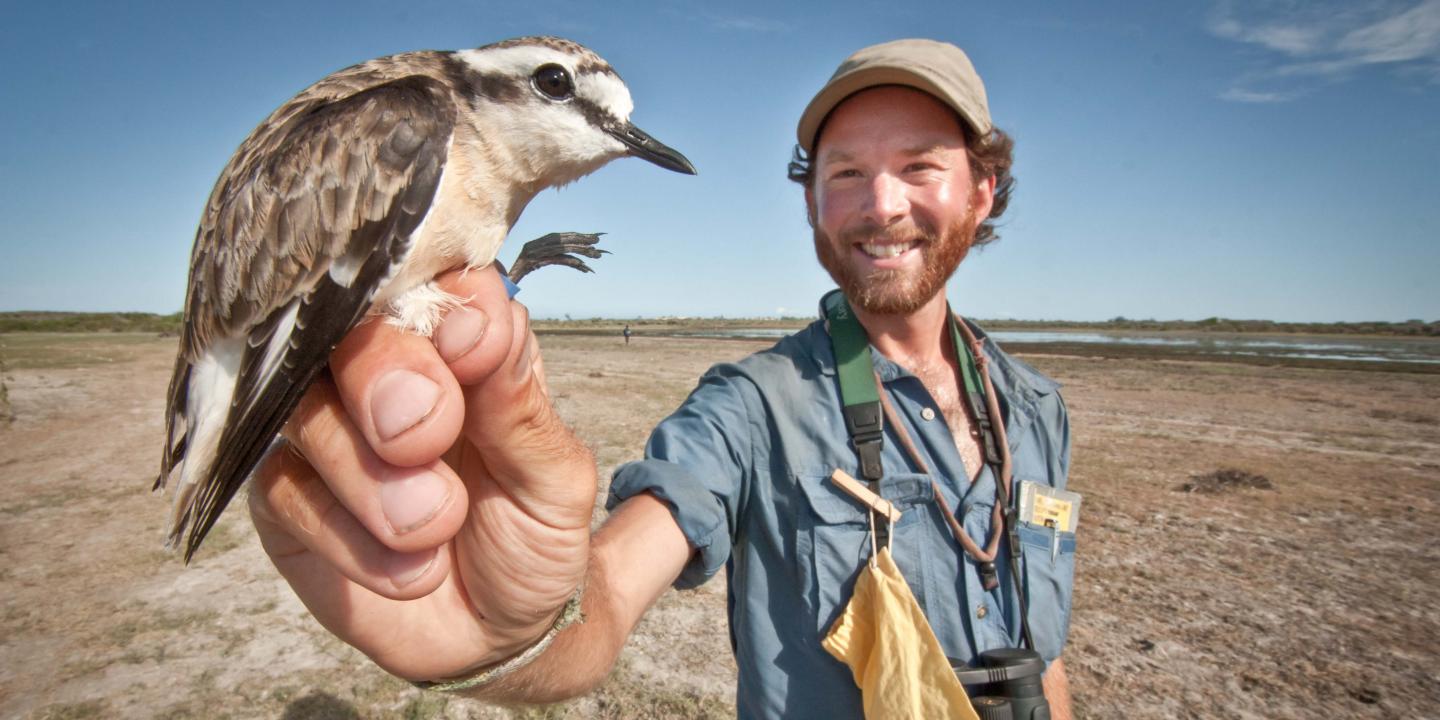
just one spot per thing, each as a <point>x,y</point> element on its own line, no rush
<point>744,465</point>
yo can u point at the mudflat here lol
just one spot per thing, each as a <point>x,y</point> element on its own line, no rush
<point>1301,585</point>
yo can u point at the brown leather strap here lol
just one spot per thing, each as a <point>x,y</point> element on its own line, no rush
<point>958,532</point>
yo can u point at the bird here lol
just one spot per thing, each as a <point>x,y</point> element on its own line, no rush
<point>346,202</point>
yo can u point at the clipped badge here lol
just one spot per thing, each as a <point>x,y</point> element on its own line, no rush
<point>1046,506</point>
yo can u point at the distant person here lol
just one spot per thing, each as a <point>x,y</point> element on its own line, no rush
<point>626,333</point>
<point>470,573</point>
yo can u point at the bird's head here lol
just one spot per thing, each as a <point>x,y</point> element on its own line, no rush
<point>557,107</point>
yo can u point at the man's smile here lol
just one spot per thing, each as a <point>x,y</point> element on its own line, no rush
<point>887,249</point>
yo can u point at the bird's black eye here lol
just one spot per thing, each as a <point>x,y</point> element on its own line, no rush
<point>554,82</point>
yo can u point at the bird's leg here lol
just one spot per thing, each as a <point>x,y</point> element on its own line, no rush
<point>556,249</point>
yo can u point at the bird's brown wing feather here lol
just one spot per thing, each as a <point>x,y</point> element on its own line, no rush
<point>310,217</point>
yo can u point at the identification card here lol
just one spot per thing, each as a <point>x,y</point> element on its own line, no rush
<point>1047,507</point>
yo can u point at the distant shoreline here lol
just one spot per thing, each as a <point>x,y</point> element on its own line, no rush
<point>48,321</point>
<point>18,348</point>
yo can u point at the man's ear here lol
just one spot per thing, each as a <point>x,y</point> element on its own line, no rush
<point>810,205</point>
<point>984,198</point>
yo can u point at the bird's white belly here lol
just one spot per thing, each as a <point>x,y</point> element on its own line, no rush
<point>455,234</point>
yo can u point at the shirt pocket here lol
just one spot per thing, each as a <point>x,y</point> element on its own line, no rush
<point>833,540</point>
<point>1049,568</point>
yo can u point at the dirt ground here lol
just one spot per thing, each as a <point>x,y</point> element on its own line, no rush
<point>1311,599</point>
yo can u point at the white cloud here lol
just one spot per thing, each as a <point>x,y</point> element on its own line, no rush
<point>749,24</point>
<point>1309,43</point>
<point>1411,35</point>
<point>1251,96</point>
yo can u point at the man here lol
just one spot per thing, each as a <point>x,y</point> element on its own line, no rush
<point>468,567</point>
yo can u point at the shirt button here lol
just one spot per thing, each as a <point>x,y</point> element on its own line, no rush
<point>981,612</point>
<point>928,413</point>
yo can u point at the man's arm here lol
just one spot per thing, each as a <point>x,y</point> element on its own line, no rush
<point>1057,690</point>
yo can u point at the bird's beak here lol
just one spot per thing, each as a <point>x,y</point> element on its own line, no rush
<point>648,148</point>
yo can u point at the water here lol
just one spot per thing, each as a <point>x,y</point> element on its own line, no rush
<point>1411,350</point>
<point>1310,347</point>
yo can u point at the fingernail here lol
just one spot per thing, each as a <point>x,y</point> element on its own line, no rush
<point>460,332</point>
<point>406,568</point>
<point>410,501</point>
<point>401,399</point>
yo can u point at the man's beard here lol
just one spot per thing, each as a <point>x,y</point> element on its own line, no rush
<point>897,292</point>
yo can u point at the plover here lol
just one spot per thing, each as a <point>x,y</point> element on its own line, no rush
<point>348,200</point>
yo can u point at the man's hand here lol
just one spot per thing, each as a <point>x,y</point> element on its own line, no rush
<point>433,511</point>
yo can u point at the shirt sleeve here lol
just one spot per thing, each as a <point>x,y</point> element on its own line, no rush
<point>698,462</point>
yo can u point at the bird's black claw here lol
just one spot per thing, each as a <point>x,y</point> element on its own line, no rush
<point>556,249</point>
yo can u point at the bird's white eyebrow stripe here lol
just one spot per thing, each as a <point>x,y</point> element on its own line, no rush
<point>494,86</point>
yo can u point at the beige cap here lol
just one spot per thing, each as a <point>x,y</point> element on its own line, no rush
<point>938,68</point>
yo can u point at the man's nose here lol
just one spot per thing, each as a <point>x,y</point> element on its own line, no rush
<point>889,201</point>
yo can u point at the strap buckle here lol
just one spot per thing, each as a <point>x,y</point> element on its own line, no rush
<point>867,435</point>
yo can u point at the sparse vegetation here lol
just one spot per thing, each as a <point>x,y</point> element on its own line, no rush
<point>1418,418</point>
<point>7,411</point>
<point>1225,480</point>
<point>1411,328</point>
<point>663,325</point>
<point>46,321</point>
<point>74,711</point>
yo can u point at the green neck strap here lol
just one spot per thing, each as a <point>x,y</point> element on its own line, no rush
<point>860,393</point>
<point>974,389</point>
<point>975,392</point>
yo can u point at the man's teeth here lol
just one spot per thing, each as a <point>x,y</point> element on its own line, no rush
<point>888,250</point>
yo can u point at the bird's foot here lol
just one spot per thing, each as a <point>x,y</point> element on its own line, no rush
<point>556,249</point>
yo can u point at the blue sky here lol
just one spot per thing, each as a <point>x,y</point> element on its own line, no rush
<point>1174,159</point>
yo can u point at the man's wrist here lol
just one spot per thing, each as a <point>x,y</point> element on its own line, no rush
<point>570,614</point>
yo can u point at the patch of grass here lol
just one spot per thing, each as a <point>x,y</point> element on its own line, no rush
<point>626,695</point>
<point>264,607</point>
<point>74,711</point>
<point>7,413</point>
<point>318,706</point>
<point>204,705</point>
<point>1404,416</point>
<point>226,536</point>
<point>42,351</point>
<point>644,701</point>
<point>425,706</point>
<point>123,632</point>
<point>377,689</point>
<point>52,498</point>
<point>84,667</point>
<point>72,322</point>
<point>1225,480</point>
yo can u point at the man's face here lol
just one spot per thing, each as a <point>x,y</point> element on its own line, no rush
<point>893,204</point>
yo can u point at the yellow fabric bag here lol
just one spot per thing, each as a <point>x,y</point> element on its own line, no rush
<point>897,661</point>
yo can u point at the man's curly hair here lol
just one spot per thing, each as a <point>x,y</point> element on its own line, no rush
<point>991,155</point>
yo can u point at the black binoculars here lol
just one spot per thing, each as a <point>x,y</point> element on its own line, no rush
<point>1006,685</point>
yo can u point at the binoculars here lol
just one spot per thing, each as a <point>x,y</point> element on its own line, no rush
<point>1006,685</point>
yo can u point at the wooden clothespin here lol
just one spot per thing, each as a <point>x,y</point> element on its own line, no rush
<point>856,489</point>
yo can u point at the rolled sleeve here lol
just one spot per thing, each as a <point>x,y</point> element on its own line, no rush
<point>698,462</point>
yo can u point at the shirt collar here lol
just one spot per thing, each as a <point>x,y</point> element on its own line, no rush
<point>1010,377</point>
